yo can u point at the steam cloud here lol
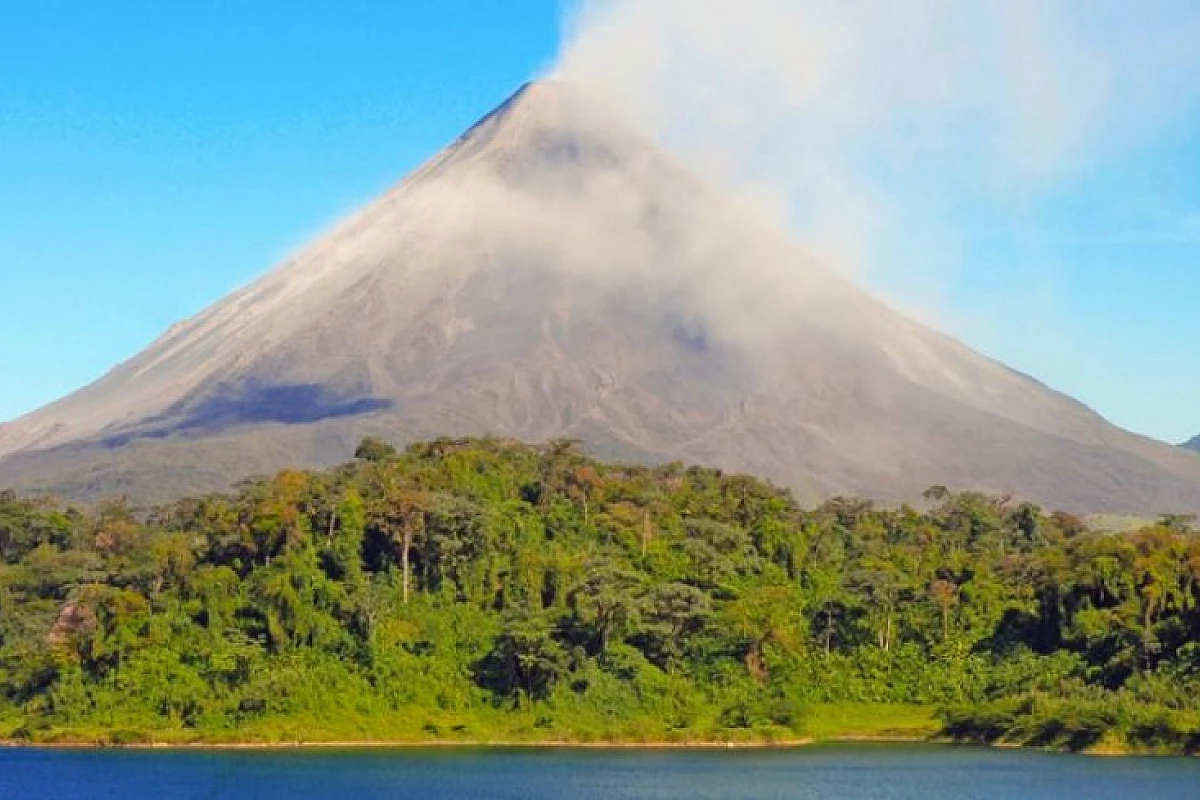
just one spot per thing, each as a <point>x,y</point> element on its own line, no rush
<point>868,125</point>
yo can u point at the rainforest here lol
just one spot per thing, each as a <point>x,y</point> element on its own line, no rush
<point>489,591</point>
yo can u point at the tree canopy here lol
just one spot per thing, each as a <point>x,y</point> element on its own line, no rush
<point>462,588</point>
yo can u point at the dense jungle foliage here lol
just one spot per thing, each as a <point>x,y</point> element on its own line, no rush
<point>488,590</point>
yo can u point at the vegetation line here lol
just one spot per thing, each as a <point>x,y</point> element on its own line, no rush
<point>437,744</point>
<point>485,591</point>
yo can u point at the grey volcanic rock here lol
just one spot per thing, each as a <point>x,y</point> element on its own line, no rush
<point>553,274</point>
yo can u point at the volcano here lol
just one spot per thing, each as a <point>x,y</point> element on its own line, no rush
<point>553,273</point>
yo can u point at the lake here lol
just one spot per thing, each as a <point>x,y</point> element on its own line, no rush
<point>861,772</point>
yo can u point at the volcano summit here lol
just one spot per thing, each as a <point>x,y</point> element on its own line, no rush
<point>552,273</point>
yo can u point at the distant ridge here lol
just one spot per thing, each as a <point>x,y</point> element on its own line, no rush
<point>1193,444</point>
<point>553,273</point>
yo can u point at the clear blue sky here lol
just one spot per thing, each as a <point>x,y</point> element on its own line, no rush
<point>154,156</point>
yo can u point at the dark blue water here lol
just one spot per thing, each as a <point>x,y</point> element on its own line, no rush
<point>856,773</point>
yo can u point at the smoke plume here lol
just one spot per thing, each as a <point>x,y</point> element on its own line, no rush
<point>880,129</point>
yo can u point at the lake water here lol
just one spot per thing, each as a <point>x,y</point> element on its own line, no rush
<point>866,772</point>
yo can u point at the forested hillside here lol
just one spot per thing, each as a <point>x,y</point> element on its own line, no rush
<point>487,590</point>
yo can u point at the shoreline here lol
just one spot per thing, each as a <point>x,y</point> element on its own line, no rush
<point>483,744</point>
<point>552,744</point>
<point>439,744</point>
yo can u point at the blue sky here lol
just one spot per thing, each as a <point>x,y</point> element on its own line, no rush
<point>154,156</point>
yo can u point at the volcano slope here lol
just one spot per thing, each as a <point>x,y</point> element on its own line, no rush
<point>550,274</point>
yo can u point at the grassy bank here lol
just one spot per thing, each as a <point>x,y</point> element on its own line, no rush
<point>820,723</point>
<point>1045,725</point>
<point>1104,726</point>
